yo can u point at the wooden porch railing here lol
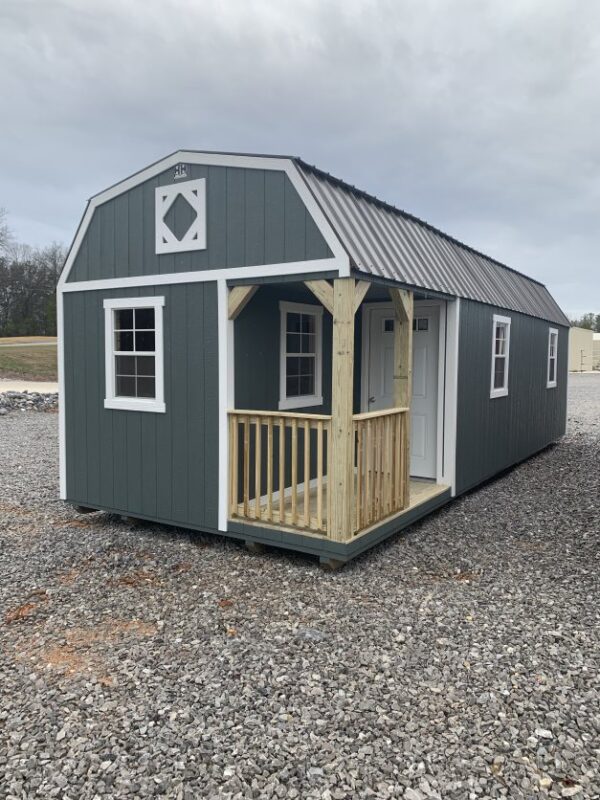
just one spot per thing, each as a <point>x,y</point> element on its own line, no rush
<point>279,463</point>
<point>381,467</point>
<point>278,468</point>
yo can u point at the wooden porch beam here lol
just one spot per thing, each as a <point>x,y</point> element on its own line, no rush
<point>341,465</point>
<point>239,297</point>
<point>402,302</point>
<point>403,330</point>
<point>361,289</point>
<point>323,291</point>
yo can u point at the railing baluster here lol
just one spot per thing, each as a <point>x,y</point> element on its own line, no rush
<point>319,475</point>
<point>387,443</point>
<point>281,470</point>
<point>294,471</point>
<point>368,476</point>
<point>270,469</point>
<point>257,465</point>
<point>397,461</point>
<point>246,475</point>
<point>306,473</point>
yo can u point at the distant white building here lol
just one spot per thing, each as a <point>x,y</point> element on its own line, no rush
<point>581,346</point>
<point>596,352</point>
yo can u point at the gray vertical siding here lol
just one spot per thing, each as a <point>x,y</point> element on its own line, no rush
<point>493,434</point>
<point>253,217</point>
<point>162,466</point>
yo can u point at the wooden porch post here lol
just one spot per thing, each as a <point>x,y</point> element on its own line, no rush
<point>403,301</point>
<point>341,471</point>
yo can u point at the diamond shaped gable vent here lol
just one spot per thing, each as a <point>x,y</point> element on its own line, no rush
<point>181,217</point>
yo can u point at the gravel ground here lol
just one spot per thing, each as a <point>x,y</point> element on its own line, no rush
<point>459,660</point>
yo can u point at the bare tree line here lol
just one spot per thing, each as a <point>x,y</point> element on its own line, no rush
<point>28,278</point>
<point>590,321</point>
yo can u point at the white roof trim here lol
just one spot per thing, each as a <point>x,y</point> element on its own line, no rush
<point>220,160</point>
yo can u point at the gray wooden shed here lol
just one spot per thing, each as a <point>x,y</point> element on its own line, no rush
<point>252,347</point>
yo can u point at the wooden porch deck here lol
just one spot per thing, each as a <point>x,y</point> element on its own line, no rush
<point>420,492</point>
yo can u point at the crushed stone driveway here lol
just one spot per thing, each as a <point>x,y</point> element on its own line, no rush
<point>458,660</point>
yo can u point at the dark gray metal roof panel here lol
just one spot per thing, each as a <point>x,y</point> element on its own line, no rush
<point>385,241</point>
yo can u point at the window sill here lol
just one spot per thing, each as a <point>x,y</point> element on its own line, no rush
<point>289,403</point>
<point>498,393</point>
<point>131,404</point>
<point>551,385</point>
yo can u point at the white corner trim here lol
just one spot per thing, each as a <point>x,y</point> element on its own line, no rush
<point>552,384</point>
<point>112,401</point>
<point>340,257</point>
<point>451,399</point>
<point>503,390</point>
<point>441,398</point>
<point>194,192</point>
<point>62,456</point>
<point>226,397</point>
<point>304,401</point>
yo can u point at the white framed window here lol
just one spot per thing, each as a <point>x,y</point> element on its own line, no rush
<point>552,358</point>
<point>300,371</point>
<point>133,339</point>
<point>500,356</point>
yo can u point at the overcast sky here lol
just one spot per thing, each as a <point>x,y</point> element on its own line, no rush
<point>483,118</point>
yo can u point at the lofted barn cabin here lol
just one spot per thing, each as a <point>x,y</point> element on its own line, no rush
<point>251,347</point>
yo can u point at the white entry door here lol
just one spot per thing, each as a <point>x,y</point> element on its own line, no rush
<point>380,378</point>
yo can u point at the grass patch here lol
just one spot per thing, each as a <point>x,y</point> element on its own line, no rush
<point>28,363</point>
<point>26,339</point>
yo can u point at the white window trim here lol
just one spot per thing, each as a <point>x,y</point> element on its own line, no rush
<point>304,401</point>
<point>552,384</point>
<point>503,390</point>
<point>154,404</point>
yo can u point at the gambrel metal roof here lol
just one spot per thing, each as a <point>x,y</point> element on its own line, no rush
<point>378,238</point>
<point>385,241</point>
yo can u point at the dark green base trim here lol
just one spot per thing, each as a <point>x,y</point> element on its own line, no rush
<point>328,552</point>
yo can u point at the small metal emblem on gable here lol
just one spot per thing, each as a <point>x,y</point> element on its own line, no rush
<point>180,217</point>
<point>180,171</point>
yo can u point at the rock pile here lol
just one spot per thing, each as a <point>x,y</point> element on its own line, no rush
<point>27,401</point>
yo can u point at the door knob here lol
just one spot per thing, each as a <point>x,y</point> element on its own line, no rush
<point>371,399</point>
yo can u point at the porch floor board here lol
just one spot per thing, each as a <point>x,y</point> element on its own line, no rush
<point>420,492</point>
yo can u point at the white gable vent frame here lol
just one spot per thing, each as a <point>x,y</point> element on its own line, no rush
<point>195,236</point>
